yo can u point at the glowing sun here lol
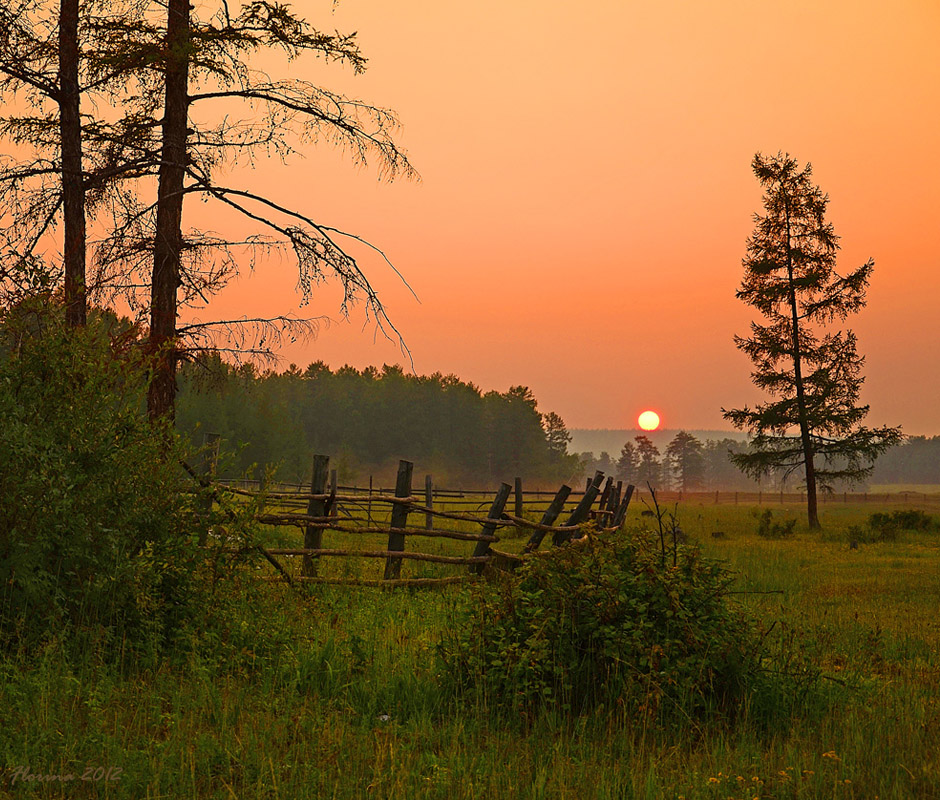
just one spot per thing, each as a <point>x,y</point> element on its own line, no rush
<point>648,420</point>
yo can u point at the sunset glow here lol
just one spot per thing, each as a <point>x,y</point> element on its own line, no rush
<point>648,420</point>
<point>512,215</point>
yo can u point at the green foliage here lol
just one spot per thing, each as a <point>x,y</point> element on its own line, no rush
<point>884,526</point>
<point>94,534</point>
<point>607,620</point>
<point>770,528</point>
<point>368,420</point>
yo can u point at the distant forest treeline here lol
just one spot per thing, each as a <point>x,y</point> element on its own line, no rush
<point>366,420</point>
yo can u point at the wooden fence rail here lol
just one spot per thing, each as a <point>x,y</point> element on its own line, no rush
<point>315,508</point>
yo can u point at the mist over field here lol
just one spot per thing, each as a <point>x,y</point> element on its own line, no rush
<point>597,440</point>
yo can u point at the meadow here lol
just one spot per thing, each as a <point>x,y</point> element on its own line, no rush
<point>331,692</point>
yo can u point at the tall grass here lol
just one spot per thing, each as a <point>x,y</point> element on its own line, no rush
<point>335,693</point>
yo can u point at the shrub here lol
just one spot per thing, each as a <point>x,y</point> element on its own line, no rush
<point>94,534</point>
<point>770,528</point>
<point>611,619</point>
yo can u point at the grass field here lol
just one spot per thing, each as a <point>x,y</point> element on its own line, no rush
<point>335,693</point>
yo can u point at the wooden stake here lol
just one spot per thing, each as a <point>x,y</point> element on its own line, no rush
<point>489,529</point>
<point>313,536</point>
<point>396,541</point>
<point>548,518</point>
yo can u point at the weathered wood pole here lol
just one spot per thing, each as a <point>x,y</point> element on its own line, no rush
<point>396,541</point>
<point>518,490</point>
<point>334,510</point>
<point>313,536</point>
<point>613,503</point>
<point>548,518</point>
<point>581,510</point>
<point>621,513</point>
<point>489,528</point>
<point>428,502</point>
<point>210,463</point>
<point>605,498</point>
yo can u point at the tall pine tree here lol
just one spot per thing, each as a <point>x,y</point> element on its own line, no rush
<point>814,421</point>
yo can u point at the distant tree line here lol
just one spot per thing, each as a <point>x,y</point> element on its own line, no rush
<point>366,420</point>
<point>916,461</point>
<point>689,464</point>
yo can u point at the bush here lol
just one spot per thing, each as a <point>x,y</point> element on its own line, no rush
<point>885,526</point>
<point>611,619</point>
<point>94,534</point>
<point>770,528</point>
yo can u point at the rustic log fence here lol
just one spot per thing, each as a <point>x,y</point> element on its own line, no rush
<point>323,506</point>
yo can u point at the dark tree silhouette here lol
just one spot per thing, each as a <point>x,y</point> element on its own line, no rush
<point>687,462</point>
<point>814,422</point>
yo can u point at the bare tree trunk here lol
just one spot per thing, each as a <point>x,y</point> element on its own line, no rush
<point>73,193</point>
<point>168,246</point>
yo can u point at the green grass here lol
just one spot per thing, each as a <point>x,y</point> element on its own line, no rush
<point>334,692</point>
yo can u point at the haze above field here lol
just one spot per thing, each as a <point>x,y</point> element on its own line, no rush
<point>598,440</point>
<point>587,194</point>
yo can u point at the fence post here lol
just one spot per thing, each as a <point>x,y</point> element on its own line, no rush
<point>613,503</point>
<point>621,513</point>
<point>582,510</point>
<point>313,536</point>
<point>489,528</point>
<point>605,497</point>
<point>334,510</point>
<point>548,518</point>
<point>396,541</point>
<point>210,462</point>
<point>518,488</point>
<point>429,502</point>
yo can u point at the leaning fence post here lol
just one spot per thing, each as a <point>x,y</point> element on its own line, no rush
<point>429,502</point>
<point>313,534</point>
<point>489,528</point>
<point>621,513</point>
<point>582,510</point>
<point>605,498</point>
<point>548,518</point>
<point>210,462</point>
<point>396,541</point>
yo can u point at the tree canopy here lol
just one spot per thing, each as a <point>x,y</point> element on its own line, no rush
<point>367,420</point>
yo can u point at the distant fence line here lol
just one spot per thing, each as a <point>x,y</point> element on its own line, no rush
<point>472,497</point>
<point>323,504</point>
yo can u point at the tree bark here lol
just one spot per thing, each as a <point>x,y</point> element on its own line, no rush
<point>810,469</point>
<point>168,245</point>
<point>73,193</point>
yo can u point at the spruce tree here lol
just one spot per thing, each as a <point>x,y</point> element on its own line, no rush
<point>812,373</point>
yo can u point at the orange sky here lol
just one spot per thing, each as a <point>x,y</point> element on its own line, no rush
<point>586,193</point>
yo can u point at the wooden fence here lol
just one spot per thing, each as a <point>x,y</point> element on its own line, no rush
<point>323,506</point>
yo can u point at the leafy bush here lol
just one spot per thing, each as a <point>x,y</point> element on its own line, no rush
<point>94,534</point>
<point>611,619</point>
<point>770,528</point>
<point>885,526</point>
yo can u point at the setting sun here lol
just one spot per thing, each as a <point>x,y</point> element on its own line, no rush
<point>648,420</point>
